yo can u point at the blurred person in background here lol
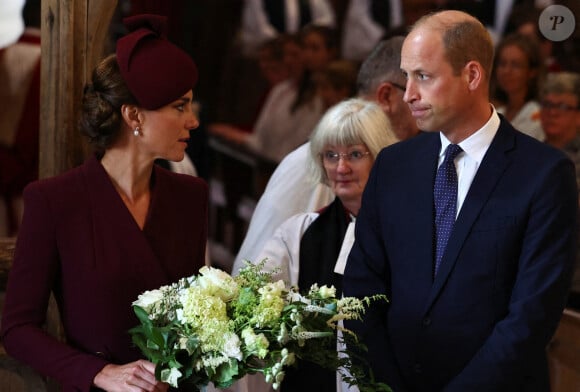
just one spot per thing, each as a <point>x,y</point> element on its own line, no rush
<point>19,106</point>
<point>312,247</point>
<point>336,82</point>
<point>289,190</point>
<point>516,78</point>
<point>560,116</point>
<point>266,19</point>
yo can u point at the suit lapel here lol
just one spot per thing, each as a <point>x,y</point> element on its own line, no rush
<point>494,164</point>
<point>423,176</point>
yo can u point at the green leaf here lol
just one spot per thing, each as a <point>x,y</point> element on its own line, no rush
<point>142,315</point>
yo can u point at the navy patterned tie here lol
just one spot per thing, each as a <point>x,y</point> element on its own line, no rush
<point>445,196</point>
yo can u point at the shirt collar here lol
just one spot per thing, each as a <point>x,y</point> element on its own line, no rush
<point>476,145</point>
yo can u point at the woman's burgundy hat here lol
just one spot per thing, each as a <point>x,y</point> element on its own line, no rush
<point>156,71</point>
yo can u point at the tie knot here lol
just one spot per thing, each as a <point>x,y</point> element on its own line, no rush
<point>452,151</point>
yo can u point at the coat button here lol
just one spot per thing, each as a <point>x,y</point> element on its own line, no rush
<point>426,321</point>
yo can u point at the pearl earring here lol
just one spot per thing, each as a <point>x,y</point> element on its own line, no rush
<point>136,131</point>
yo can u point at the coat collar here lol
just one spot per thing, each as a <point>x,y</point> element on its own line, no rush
<point>115,228</point>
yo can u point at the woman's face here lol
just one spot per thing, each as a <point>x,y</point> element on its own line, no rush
<point>513,70</point>
<point>316,54</point>
<point>560,115</point>
<point>274,70</point>
<point>347,172</point>
<point>293,60</point>
<point>165,131</point>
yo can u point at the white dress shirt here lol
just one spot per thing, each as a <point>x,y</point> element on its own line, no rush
<point>474,149</point>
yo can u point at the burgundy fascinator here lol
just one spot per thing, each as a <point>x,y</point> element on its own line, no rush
<point>156,71</point>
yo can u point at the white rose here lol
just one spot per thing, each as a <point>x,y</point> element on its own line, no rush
<point>148,299</point>
<point>231,346</point>
<point>217,282</point>
<point>327,292</point>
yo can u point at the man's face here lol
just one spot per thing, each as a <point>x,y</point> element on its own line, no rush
<point>400,116</point>
<point>439,100</point>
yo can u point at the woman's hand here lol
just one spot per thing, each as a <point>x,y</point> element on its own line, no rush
<point>136,376</point>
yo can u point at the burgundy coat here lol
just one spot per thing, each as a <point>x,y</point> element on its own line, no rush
<point>79,241</point>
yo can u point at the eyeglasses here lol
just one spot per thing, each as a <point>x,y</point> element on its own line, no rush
<point>561,107</point>
<point>331,158</point>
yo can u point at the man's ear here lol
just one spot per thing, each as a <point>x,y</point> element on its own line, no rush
<point>383,96</point>
<point>474,74</point>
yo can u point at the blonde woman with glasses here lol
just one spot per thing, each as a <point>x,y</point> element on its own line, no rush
<point>312,247</point>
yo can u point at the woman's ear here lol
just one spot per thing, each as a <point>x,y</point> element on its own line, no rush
<point>131,115</point>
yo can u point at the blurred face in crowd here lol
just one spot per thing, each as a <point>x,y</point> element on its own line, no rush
<point>404,125</point>
<point>293,59</point>
<point>316,54</point>
<point>560,116</point>
<point>273,69</point>
<point>513,70</point>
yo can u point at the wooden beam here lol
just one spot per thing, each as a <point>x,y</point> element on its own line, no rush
<point>73,36</point>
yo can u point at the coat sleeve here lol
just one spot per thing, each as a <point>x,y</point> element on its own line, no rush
<point>367,273</point>
<point>33,275</point>
<point>537,299</point>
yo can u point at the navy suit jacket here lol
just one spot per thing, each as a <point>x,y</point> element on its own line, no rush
<point>483,322</point>
<point>80,242</point>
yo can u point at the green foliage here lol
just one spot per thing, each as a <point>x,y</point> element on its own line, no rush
<point>215,328</point>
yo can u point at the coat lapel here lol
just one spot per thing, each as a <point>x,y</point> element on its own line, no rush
<point>118,239</point>
<point>494,164</point>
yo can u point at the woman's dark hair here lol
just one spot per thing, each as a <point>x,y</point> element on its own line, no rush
<point>101,117</point>
<point>532,51</point>
<point>307,87</point>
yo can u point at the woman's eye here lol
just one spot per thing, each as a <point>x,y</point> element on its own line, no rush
<point>356,155</point>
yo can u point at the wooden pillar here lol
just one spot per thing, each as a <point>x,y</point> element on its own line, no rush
<point>73,34</point>
<point>73,37</point>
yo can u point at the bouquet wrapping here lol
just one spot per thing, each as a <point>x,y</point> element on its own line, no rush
<point>213,327</point>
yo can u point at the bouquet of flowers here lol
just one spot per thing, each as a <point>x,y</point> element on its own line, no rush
<point>217,328</point>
